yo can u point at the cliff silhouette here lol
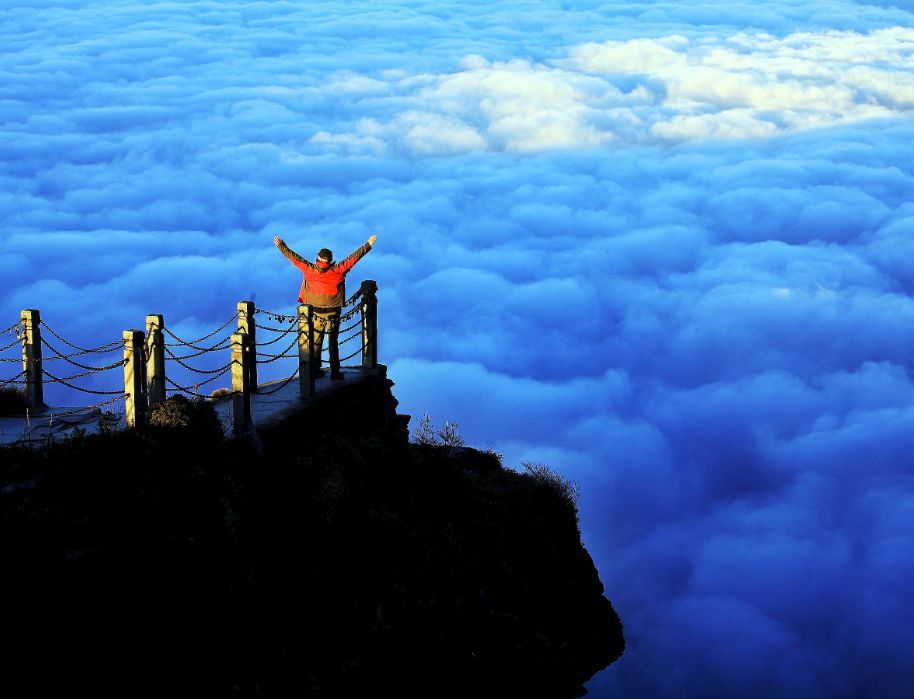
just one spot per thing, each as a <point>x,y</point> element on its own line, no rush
<point>328,558</point>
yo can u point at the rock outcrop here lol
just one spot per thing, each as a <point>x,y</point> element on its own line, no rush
<point>328,558</point>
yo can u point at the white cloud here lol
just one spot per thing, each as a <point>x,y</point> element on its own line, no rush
<point>578,260</point>
<point>730,123</point>
<point>753,86</point>
<point>731,87</point>
<point>632,56</point>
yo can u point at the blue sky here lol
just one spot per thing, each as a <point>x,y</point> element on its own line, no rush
<point>664,247</point>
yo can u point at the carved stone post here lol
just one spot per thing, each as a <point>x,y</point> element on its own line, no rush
<point>306,360</point>
<point>155,362</point>
<point>242,355</point>
<point>134,378</point>
<point>247,325</point>
<point>31,360</point>
<point>369,306</point>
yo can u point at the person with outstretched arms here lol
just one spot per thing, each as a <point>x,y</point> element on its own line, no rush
<point>324,287</point>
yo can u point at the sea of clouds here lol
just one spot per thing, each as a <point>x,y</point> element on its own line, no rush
<point>664,247</point>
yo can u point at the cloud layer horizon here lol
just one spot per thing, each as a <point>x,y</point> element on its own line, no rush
<point>665,248</point>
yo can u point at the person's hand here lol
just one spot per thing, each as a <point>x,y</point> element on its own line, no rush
<point>372,239</point>
<point>276,240</point>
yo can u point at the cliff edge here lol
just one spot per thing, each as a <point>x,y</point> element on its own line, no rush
<point>329,558</point>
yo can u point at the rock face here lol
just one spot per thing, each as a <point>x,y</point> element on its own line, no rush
<point>334,560</point>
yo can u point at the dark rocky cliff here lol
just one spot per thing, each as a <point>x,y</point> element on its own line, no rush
<point>336,559</point>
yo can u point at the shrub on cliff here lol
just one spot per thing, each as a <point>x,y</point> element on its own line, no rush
<point>178,412</point>
<point>554,483</point>
<point>448,435</point>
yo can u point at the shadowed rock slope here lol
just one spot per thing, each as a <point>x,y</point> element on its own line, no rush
<point>338,560</point>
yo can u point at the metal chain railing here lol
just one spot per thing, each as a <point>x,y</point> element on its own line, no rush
<point>169,355</point>
<point>193,343</point>
<point>278,317</point>
<point>350,337</point>
<point>357,324</point>
<point>15,379</point>
<point>339,343</point>
<point>285,382</point>
<point>113,346</point>
<point>358,351</point>
<point>66,382</point>
<point>274,357</point>
<point>76,411</point>
<point>109,347</point>
<point>186,389</point>
<point>68,358</point>
<point>14,342</point>
<point>198,354</point>
<point>291,318</point>
<point>348,315</point>
<point>57,354</point>
<point>276,330</point>
<point>276,339</point>
<point>181,343</point>
<point>288,327</point>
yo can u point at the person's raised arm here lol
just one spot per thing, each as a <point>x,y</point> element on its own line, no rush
<point>290,254</point>
<point>348,263</point>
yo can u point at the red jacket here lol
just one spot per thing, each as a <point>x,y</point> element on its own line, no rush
<point>323,283</point>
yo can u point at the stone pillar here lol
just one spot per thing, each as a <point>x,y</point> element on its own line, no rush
<point>242,354</point>
<point>247,325</point>
<point>155,362</point>
<point>31,360</point>
<point>306,360</point>
<point>134,378</point>
<point>369,306</point>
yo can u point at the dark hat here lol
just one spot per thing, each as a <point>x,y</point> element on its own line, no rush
<point>325,255</point>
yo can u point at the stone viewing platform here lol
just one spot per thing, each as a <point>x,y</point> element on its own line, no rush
<point>151,358</point>
<point>273,402</point>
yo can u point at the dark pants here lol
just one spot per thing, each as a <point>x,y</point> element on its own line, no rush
<point>329,324</point>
